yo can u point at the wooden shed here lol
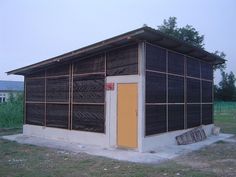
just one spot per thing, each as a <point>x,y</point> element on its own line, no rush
<point>137,90</point>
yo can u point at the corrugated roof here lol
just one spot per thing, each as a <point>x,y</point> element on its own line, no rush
<point>141,34</point>
<point>11,86</point>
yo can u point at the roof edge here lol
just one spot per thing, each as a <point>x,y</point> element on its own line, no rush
<point>128,36</point>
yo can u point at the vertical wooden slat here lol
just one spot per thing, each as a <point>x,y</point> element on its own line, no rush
<point>45,98</point>
<point>24,121</point>
<point>185,92</point>
<point>212,96</point>
<point>105,63</point>
<point>200,94</point>
<point>71,95</point>
<point>144,56</point>
<point>167,118</point>
<point>139,60</point>
<point>69,105</point>
<point>105,74</point>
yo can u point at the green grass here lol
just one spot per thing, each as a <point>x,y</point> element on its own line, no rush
<point>11,112</point>
<point>220,106</point>
<point>17,160</point>
<point>225,116</point>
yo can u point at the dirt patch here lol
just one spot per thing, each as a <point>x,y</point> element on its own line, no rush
<point>226,161</point>
<point>219,158</point>
<point>9,131</point>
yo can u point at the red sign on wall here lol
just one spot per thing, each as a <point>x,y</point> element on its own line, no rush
<point>110,86</point>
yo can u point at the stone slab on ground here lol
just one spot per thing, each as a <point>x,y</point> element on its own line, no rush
<point>156,156</point>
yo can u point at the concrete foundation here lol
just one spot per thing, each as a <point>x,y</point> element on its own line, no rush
<point>159,155</point>
<point>88,138</point>
<point>151,143</point>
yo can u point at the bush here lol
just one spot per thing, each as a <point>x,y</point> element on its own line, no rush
<point>11,112</point>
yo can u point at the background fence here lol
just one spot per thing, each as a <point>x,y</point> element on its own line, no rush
<point>220,107</point>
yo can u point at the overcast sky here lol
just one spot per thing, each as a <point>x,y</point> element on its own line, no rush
<point>32,31</point>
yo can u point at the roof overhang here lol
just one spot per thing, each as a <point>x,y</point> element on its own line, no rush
<point>142,34</point>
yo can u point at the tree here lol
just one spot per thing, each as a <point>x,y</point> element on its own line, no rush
<point>221,67</point>
<point>226,89</point>
<point>188,34</point>
<point>169,27</point>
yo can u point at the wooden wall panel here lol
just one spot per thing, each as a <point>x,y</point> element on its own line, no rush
<point>181,84</point>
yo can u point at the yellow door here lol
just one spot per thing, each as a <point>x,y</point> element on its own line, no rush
<point>127,116</point>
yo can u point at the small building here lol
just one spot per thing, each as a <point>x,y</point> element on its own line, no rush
<point>10,87</point>
<point>137,90</point>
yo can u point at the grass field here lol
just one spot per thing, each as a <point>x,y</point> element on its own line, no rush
<point>11,112</point>
<point>219,159</point>
<point>225,116</point>
<point>18,160</point>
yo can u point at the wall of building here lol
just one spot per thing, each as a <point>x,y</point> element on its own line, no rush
<point>111,106</point>
<point>178,91</point>
<point>120,73</point>
<point>107,139</point>
<point>71,95</point>
<point>68,102</point>
<point>4,95</point>
<point>111,101</point>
